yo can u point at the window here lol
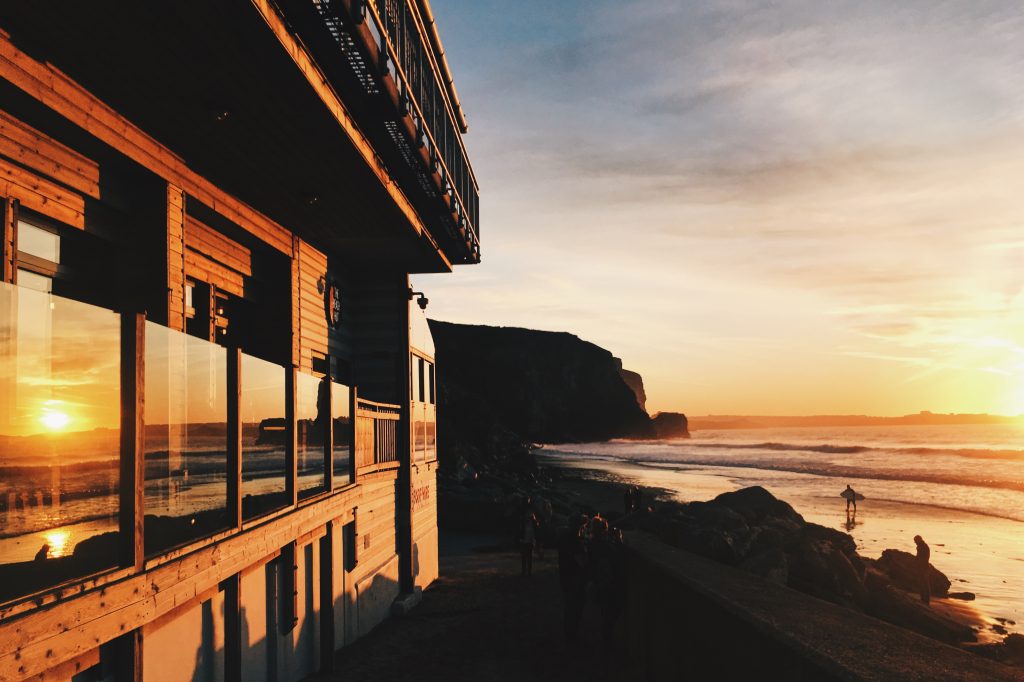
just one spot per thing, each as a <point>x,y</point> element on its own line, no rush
<point>33,280</point>
<point>59,505</point>
<point>185,411</point>
<point>311,419</point>
<point>38,242</point>
<point>264,436</point>
<point>420,383</point>
<point>430,375</point>
<point>38,256</point>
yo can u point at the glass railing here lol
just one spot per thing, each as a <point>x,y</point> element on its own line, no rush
<point>264,436</point>
<point>185,438</point>
<point>311,417</point>
<point>59,439</point>
<point>341,418</point>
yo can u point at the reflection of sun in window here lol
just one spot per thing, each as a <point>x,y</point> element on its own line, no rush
<point>58,542</point>
<point>55,420</point>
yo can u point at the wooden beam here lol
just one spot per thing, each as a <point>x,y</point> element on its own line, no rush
<point>133,466</point>
<point>175,258</point>
<point>8,231</point>
<point>54,89</point>
<point>234,403</point>
<point>321,86</point>
<point>24,144</point>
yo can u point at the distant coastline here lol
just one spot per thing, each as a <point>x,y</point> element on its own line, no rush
<point>925,418</point>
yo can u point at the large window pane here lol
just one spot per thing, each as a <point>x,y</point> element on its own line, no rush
<point>264,436</point>
<point>186,438</point>
<point>59,439</point>
<point>311,421</point>
<point>341,417</point>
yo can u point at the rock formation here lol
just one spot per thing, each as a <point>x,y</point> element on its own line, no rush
<point>502,388</point>
<point>635,383</point>
<point>755,531</point>
<point>670,425</point>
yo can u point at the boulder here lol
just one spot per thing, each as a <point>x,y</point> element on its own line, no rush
<point>670,425</point>
<point>897,607</point>
<point>901,568</point>
<point>757,506</point>
<point>771,564</point>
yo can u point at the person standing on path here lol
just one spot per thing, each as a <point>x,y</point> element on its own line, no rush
<point>924,554</point>
<point>527,537</point>
<point>572,575</point>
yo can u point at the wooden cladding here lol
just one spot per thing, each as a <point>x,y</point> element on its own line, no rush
<point>39,194</point>
<point>44,175</point>
<point>175,258</point>
<point>32,149</point>
<point>215,259</point>
<point>309,317</point>
<point>54,89</point>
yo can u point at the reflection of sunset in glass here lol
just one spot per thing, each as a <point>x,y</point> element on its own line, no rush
<point>54,420</point>
<point>58,542</point>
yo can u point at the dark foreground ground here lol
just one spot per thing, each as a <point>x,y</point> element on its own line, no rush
<point>481,621</point>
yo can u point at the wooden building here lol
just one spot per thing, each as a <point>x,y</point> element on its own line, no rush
<point>217,394</point>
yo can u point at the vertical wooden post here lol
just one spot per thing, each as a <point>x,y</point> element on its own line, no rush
<point>232,629</point>
<point>291,483</point>
<point>327,635</point>
<point>234,404</point>
<point>9,230</point>
<point>329,432</point>
<point>175,258</point>
<point>133,464</point>
<point>353,435</point>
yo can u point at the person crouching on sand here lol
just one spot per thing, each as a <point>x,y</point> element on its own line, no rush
<point>924,554</point>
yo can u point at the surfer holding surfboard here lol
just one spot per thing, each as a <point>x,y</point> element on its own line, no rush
<point>851,497</point>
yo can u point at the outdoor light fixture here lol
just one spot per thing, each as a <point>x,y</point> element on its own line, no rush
<point>421,299</point>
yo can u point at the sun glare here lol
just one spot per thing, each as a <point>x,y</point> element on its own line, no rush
<point>54,420</point>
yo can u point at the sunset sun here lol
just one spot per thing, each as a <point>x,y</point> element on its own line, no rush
<point>54,420</point>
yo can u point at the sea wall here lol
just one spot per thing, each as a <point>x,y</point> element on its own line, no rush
<point>687,616</point>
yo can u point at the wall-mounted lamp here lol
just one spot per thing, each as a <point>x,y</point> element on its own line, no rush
<point>421,299</point>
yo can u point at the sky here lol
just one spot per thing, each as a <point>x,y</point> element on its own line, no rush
<point>762,207</point>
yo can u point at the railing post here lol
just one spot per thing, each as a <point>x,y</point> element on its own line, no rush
<point>234,404</point>
<point>133,464</point>
<point>291,483</point>
<point>353,402</point>
<point>355,458</point>
<point>328,431</point>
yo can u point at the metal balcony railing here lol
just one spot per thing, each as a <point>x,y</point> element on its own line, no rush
<point>406,62</point>
<point>376,433</point>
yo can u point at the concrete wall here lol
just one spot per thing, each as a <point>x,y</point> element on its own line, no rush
<point>186,645</point>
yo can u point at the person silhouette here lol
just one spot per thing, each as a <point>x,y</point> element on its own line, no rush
<point>851,498</point>
<point>924,554</point>
<point>43,552</point>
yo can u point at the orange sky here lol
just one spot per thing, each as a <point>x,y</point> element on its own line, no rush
<point>764,208</point>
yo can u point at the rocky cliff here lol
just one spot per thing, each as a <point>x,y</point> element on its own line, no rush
<point>502,388</point>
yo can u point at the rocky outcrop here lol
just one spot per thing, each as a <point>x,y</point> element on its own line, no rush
<point>670,425</point>
<point>754,530</point>
<point>635,383</point>
<point>502,388</point>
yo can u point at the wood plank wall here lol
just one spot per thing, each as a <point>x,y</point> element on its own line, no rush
<point>215,259</point>
<point>175,258</point>
<point>309,317</point>
<point>44,175</point>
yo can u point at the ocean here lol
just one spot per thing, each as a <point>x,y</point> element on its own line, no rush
<point>960,487</point>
